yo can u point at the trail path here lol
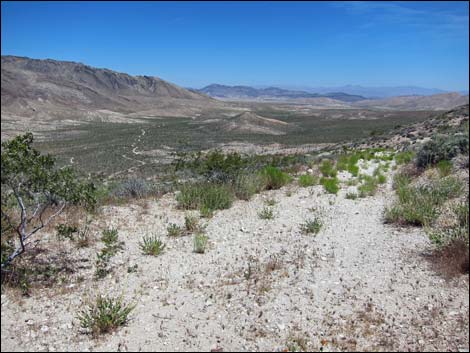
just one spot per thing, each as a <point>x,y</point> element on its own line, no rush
<point>263,285</point>
<point>134,151</point>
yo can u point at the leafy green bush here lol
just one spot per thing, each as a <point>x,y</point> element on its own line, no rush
<point>105,315</point>
<point>307,180</point>
<point>441,148</point>
<point>152,245</point>
<point>205,196</point>
<point>274,178</point>
<point>330,185</point>
<point>33,188</point>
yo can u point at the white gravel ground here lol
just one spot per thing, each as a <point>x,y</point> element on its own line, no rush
<point>261,286</point>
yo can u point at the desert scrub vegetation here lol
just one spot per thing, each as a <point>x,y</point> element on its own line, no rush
<point>266,213</point>
<point>307,180</point>
<point>274,178</point>
<point>173,230</point>
<point>205,196</point>
<point>419,204</point>
<point>33,193</point>
<point>444,167</point>
<point>404,157</point>
<point>246,185</point>
<point>133,188</point>
<point>351,196</point>
<point>331,185</point>
<point>327,169</point>
<point>151,245</point>
<point>200,243</point>
<point>440,148</point>
<point>311,226</point>
<point>112,246</point>
<point>105,315</point>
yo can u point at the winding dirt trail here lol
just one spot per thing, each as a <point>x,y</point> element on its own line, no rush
<point>134,152</point>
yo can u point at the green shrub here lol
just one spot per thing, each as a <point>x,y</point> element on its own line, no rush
<point>152,245</point>
<point>105,315</point>
<point>330,185</point>
<point>311,226</point>
<point>441,148</point>
<point>246,185</point>
<point>200,243</point>
<point>327,169</point>
<point>444,167</point>
<point>274,178</point>
<point>173,230</point>
<point>206,195</point>
<point>307,180</point>
<point>266,213</point>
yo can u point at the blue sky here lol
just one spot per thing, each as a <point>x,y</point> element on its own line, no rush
<point>254,43</point>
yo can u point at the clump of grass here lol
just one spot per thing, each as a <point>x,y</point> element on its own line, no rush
<point>205,195</point>
<point>351,196</point>
<point>444,167</point>
<point>152,245</point>
<point>327,169</point>
<point>330,185</point>
<point>311,226</point>
<point>274,178</point>
<point>307,180</point>
<point>206,212</point>
<point>104,316</point>
<point>266,213</point>
<point>368,186</point>
<point>109,236</point>
<point>419,205</point>
<point>246,185</point>
<point>404,157</point>
<point>200,243</point>
<point>173,230</point>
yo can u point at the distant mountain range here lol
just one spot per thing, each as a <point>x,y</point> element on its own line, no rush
<point>371,92</point>
<point>271,93</point>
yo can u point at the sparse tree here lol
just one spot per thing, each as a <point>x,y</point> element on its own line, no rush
<point>34,192</point>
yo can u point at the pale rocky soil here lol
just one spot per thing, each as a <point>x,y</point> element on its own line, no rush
<point>357,285</point>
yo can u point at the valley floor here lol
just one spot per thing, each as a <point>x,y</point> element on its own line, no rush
<point>359,284</point>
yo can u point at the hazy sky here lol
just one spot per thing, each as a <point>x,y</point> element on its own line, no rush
<point>255,43</point>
